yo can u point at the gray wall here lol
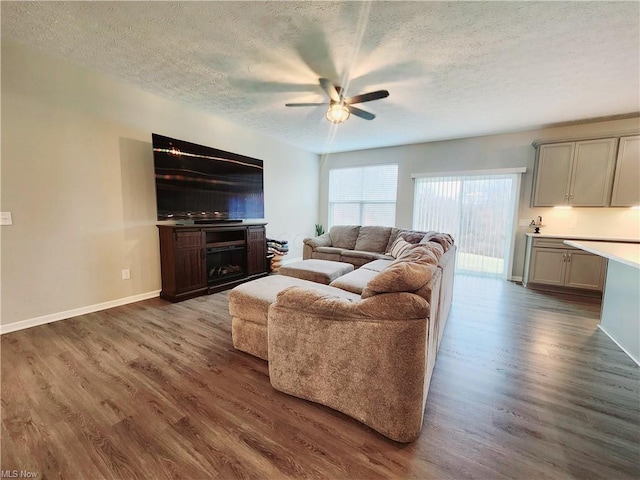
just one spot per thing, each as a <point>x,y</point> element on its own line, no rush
<point>491,152</point>
<point>77,175</point>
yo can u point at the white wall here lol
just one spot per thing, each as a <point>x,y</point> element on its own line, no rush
<point>77,175</point>
<point>488,152</point>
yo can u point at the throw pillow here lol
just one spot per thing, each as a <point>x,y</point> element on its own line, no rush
<point>399,247</point>
<point>412,236</point>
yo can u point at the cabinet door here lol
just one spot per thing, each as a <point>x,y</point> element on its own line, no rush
<point>553,174</point>
<point>585,270</point>
<point>592,172</point>
<point>626,184</point>
<point>190,261</point>
<point>547,266</point>
<point>256,250</point>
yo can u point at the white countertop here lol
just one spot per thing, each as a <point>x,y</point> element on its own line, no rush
<point>595,238</point>
<point>627,253</point>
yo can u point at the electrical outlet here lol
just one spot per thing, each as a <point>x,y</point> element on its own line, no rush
<point>5,218</point>
<point>126,274</point>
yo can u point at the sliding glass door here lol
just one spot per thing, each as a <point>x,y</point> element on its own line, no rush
<point>478,210</point>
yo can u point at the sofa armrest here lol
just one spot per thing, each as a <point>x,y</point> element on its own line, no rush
<point>323,240</point>
<point>367,359</point>
<point>388,306</point>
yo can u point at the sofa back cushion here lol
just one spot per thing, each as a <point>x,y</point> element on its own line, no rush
<point>393,236</point>
<point>344,236</point>
<point>373,239</point>
<point>409,273</point>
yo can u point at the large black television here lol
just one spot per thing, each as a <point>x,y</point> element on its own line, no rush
<point>204,184</point>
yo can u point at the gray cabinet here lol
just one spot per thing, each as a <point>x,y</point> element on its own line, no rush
<point>574,173</point>
<point>626,183</point>
<point>549,262</point>
<point>584,270</point>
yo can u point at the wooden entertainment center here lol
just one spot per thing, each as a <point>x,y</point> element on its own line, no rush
<point>200,259</point>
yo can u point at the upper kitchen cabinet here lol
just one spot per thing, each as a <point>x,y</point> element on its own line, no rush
<point>574,173</point>
<point>626,183</point>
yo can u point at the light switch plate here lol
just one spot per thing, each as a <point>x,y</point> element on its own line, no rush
<point>5,218</point>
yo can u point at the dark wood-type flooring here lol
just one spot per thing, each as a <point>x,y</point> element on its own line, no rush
<point>525,387</point>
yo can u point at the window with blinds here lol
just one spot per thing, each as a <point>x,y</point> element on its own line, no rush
<point>477,210</point>
<point>363,195</point>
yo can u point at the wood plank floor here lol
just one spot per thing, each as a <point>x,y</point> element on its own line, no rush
<point>525,386</point>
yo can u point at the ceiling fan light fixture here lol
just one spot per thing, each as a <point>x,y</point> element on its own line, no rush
<point>338,113</point>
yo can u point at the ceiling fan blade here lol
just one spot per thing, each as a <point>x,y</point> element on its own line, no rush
<point>361,113</point>
<point>304,104</point>
<point>328,87</point>
<point>367,97</point>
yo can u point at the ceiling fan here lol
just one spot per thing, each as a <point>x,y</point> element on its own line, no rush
<point>340,108</point>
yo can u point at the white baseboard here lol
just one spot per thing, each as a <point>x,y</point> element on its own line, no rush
<point>513,278</point>
<point>618,344</point>
<point>54,317</point>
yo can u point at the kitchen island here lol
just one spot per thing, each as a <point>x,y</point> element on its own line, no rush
<point>620,318</point>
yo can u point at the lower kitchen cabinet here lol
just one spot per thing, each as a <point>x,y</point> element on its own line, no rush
<point>551,263</point>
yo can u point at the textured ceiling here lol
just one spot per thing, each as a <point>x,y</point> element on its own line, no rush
<point>454,69</point>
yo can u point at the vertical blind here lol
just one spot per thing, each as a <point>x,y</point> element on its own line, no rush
<point>477,210</point>
<point>363,195</point>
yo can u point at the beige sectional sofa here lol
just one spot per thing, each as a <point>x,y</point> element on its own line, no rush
<point>364,345</point>
<point>359,245</point>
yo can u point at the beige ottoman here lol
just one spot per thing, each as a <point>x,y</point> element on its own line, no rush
<point>318,271</point>
<point>249,307</point>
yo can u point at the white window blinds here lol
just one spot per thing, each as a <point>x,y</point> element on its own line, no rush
<point>477,210</point>
<point>363,195</point>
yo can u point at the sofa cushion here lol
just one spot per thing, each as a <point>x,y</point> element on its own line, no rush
<point>360,254</point>
<point>333,250</point>
<point>319,271</point>
<point>373,239</point>
<point>444,239</point>
<point>403,277</point>
<point>358,258</point>
<point>251,300</point>
<point>427,253</point>
<point>327,253</point>
<point>412,236</point>
<point>355,281</point>
<point>377,265</point>
<point>408,273</point>
<point>398,247</point>
<point>344,236</point>
<point>393,236</point>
